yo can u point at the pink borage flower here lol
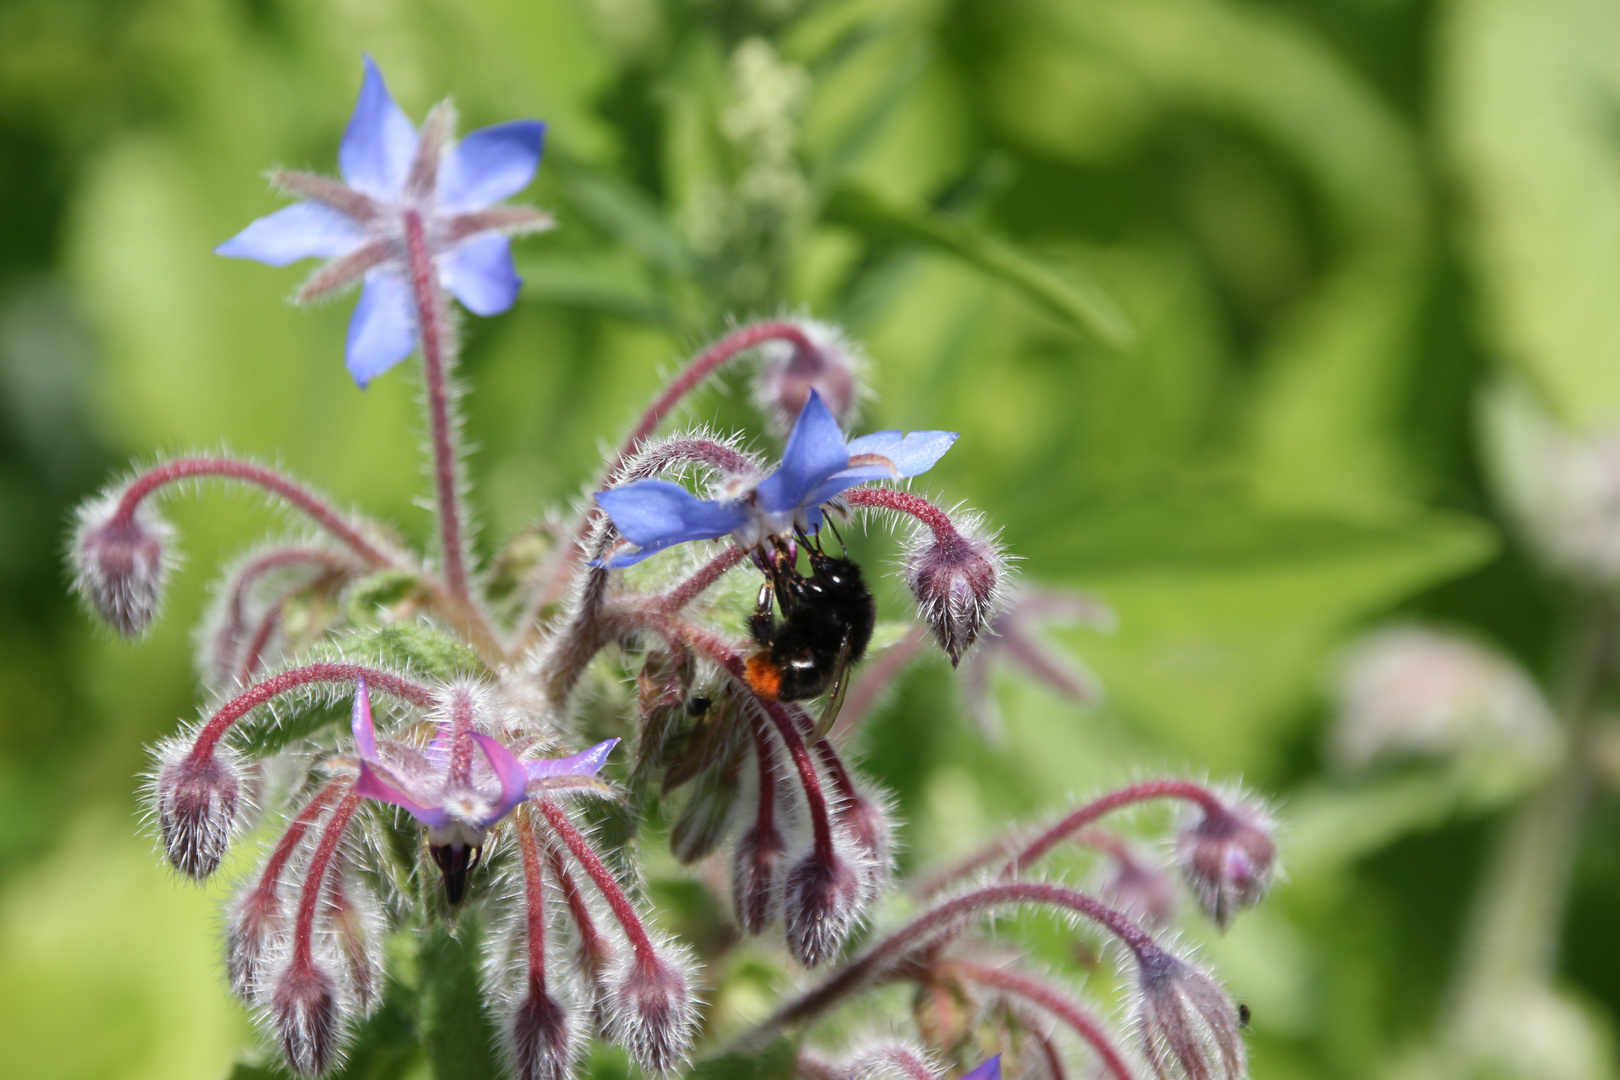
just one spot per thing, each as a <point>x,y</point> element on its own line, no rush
<point>462,783</point>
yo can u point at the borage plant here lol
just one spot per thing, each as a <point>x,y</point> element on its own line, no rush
<point>462,879</point>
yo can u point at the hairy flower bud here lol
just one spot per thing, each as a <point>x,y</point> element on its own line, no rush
<point>250,932</point>
<point>821,901</point>
<point>304,1013</point>
<point>830,366</point>
<point>754,874</point>
<point>196,802</point>
<point>1189,1027</point>
<point>651,1012</point>
<point>1228,858</point>
<point>120,563</point>
<point>1411,690</point>
<point>542,1045</point>
<point>956,577</point>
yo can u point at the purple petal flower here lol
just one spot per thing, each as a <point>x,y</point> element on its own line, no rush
<point>990,1070</point>
<point>817,466</point>
<point>360,224</point>
<point>455,806</point>
<point>585,763</point>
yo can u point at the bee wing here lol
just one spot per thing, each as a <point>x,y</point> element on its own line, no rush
<point>840,687</point>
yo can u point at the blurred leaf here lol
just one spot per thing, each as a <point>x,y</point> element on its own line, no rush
<point>1534,133</point>
<point>620,209</point>
<point>776,1062</point>
<point>1081,303</point>
<point>1225,608</point>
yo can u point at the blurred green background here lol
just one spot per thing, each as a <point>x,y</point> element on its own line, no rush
<point>1328,222</point>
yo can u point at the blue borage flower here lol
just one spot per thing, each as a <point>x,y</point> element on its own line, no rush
<point>444,788</point>
<point>989,1070</point>
<point>817,465</point>
<point>391,170</point>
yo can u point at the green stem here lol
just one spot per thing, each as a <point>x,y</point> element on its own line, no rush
<point>1511,941</point>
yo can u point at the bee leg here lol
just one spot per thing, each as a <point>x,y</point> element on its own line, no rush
<point>839,690</point>
<point>762,623</point>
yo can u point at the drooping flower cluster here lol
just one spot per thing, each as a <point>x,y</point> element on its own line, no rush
<point>459,819</point>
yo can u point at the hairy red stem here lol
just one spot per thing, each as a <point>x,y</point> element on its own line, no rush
<point>294,494</point>
<point>232,711</point>
<point>534,885</point>
<point>606,883</point>
<point>903,502</point>
<point>315,878</point>
<point>877,960</point>
<point>431,319</point>
<point>1085,815</point>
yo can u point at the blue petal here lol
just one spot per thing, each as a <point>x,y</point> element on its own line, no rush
<point>480,274</point>
<point>815,450</point>
<point>379,142</point>
<point>383,329</point>
<point>990,1070</point>
<point>304,230</point>
<point>653,514</point>
<point>912,453</point>
<point>490,164</point>
<point>585,763</point>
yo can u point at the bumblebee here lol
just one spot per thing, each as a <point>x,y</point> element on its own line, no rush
<point>826,624</point>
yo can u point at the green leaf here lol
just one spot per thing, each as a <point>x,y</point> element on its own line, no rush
<point>1080,302</point>
<point>775,1062</point>
<point>623,210</point>
<point>458,1034</point>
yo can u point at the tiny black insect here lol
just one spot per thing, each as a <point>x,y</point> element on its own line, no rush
<point>1243,1016</point>
<point>826,624</point>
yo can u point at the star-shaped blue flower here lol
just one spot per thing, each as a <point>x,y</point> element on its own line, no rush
<point>817,465</point>
<point>392,171</point>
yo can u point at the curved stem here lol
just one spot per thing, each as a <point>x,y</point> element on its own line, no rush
<point>606,883</point>
<point>534,888</point>
<point>1039,993</point>
<point>270,877</point>
<point>704,365</point>
<point>1085,815</point>
<point>903,502</point>
<point>313,506</point>
<point>709,573</point>
<point>315,877</point>
<point>273,687</point>
<point>594,949</point>
<point>432,319</point>
<point>254,651</point>
<point>877,960</point>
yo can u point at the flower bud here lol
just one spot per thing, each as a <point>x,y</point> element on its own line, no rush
<point>542,1042</point>
<point>250,932</point>
<point>1228,859</point>
<point>790,371</point>
<point>1140,890</point>
<point>1189,1027</point>
<point>120,563</point>
<point>196,809</point>
<point>956,577</point>
<point>304,1012</point>
<point>754,873</point>
<point>1410,690</point>
<point>821,900</point>
<point>651,1013</point>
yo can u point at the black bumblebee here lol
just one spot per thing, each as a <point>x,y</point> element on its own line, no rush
<point>826,624</point>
